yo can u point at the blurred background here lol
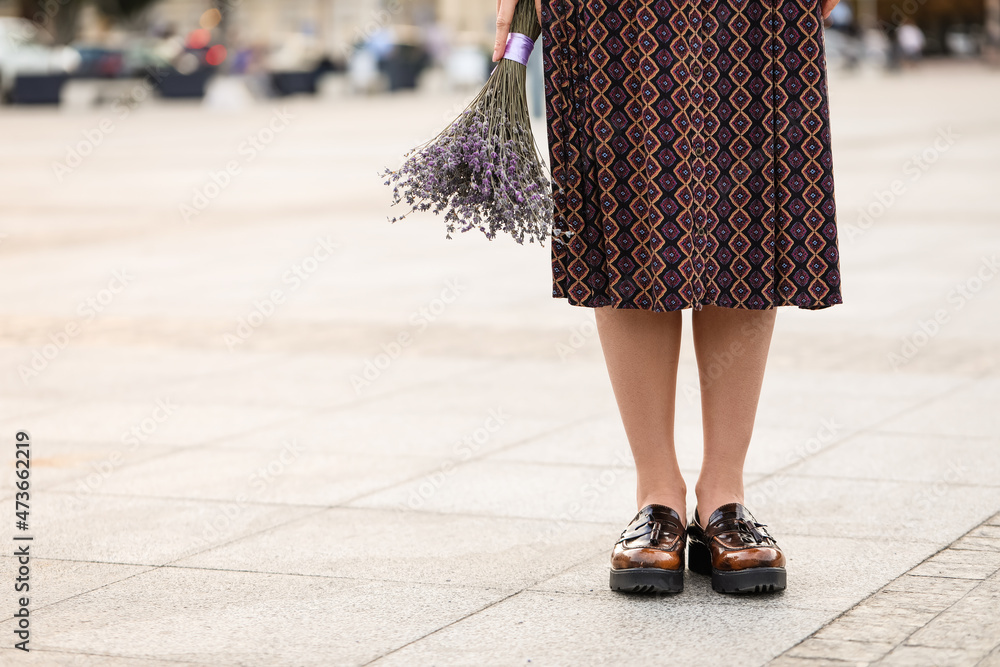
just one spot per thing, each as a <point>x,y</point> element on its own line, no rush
<point>80,52</point>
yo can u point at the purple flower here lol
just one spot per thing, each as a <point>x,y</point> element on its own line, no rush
<point>483,171</point>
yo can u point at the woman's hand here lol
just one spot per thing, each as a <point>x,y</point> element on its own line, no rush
<point>828,6</point>
<point>505,13</point>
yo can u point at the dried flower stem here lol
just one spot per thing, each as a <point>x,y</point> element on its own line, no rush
<point>484,171</point>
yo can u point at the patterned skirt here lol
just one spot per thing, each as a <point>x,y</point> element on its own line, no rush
<point>689,142</point>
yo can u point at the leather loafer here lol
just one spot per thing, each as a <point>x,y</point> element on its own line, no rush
<point>649,555</point>
<point>736,551</point>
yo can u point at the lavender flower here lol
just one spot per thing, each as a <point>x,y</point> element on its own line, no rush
<point>484,171</point>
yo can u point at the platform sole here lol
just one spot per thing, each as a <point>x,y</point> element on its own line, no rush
<point>647,580</point>
<point>750,580</point>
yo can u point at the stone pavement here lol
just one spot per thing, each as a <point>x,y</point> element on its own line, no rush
<point>942,612</point>
<point>269,428</point>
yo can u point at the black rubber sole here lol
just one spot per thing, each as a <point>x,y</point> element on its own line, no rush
<point>751,580</point>
<point>647,580</point>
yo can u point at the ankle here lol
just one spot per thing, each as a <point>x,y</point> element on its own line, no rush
<point>711,497</point>
<point>674,497</point>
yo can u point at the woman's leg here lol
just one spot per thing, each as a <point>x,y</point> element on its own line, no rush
<point>641,349</point>
<point>731,346</point>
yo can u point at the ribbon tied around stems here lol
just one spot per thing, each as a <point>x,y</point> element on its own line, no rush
<point>518,48</point>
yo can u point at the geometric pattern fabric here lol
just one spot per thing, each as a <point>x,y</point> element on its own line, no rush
<point>690,150</point>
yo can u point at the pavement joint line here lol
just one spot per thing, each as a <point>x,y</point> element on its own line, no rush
<point>334,577</point>
<point>909,572</point>
<point>334,507</point>
<point>91,590</point>
<point>306,414</point>
<point>961,386</point>
<point>973,485</point>
<point>189,499</point>
<point>172,565</point>
<point>474,458</point>
<point>714,600</point>
<point>992,655</point>
<point>443,627</point>
<point>112,655</point>
<point>951,576</point>
<point>341,407</point>
<point>84,402</point>
<point>440,513</point>
<point>478,611</point>
<point>151,567</point>
<point>236,538</point>
<point>120,656</point>
<point>51,488</point>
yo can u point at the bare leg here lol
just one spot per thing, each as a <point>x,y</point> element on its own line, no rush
<point>731,346</point>
<point>641,349</point>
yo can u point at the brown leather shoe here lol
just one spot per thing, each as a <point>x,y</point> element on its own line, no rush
<point>649,555</point>
<point>736,551</point>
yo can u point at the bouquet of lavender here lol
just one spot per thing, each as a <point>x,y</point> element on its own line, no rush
<point>484,171</point>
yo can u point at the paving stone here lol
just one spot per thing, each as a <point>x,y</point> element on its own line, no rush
<point>965,412</point>
<point>290,472</point>
<point>55,580</point>
<point>83,466</point>
<point>858,508</point>
<point>921,602</point>
<point>218,618</point>
<point>950,587</point>
<point>971,624</point>
<point>861,628</point>
<point>885,614</point>
<point>72,659</point>
<point>146,531</point>
<point>834,649</point>
<point>921,656</point>
<point>991,660</point>
<point>364,430</point>
<point>559,493</point>
<point>121,373</point>
<point>922,619</point>
<point>972,543</point>
<point>986,531</point>
<point>535,626</point>
<point>983,538</point>
<point>506,387</point>
<point>161,420</point>
<point>787,660</point>
<point>486,552</point>
<point>303,381</point>
<point>942,461</point>
<point>962,564</point>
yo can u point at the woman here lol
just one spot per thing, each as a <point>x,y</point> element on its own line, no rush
<point>690,152</point>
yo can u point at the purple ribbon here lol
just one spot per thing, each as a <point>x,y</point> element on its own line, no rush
<point>518,48</point>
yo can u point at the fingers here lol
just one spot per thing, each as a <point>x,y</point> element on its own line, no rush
<point>538,10</point>
<point>505,15</point>
<point>828,6</point>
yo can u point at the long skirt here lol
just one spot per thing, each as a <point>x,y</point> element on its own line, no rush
<point>690,150</point>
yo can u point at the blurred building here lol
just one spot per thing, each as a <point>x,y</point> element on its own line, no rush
<point>952,27</point>
<point>336,24</point>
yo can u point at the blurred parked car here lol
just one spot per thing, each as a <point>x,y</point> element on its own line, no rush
<point>32,72</point>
